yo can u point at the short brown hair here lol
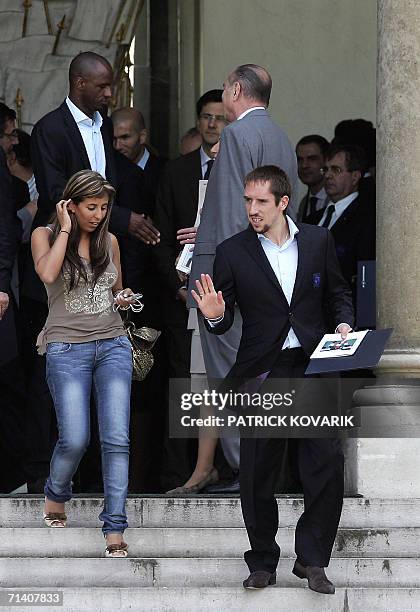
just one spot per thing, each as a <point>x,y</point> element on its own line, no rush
<point>278,179</point>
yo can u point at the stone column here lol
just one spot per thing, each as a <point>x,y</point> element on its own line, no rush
<point>398,182</point>
<point>391,467</point>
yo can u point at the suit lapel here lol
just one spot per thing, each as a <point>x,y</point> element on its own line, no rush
<point>193,170</point>
<point>110,169</point>
<point>304,256</point>
<point>75,136</point>
<point>196,166</point>
<point>256,251</point>
<point>347,214</point>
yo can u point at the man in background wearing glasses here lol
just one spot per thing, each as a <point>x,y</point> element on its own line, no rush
<point>349,216</point>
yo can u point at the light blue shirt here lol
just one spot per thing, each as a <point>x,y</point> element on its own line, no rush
<point>283,260</point>
<point>144,159</point>
<point>90,131</point>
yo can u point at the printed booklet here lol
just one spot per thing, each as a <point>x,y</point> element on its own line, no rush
<point>332,345</point>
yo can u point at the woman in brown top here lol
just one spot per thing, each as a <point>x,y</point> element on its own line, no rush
<point>87,350</point>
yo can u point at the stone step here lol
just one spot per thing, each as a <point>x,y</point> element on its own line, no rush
<point>203,511</point>
<point>232,599</point>
<point>197,542</point>
<point>197,572</point>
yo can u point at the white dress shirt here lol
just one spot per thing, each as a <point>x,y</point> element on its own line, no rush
<point>144,159</point>
<point>90,131</point>
<point>242,115</point>
<point>340,207</point>
<point>204,159</point>
<point>283,259</point>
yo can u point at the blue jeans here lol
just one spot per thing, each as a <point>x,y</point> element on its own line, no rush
<point>73,370</point>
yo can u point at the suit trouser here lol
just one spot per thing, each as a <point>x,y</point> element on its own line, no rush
<point>178,453</point>
<point>219,354</point>
<point>321,471</point>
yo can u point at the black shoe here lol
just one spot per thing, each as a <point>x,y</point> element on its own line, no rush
<point>228,488</point>
<point>317,580</point>
<point>210,479</point>
<point>259,580</point>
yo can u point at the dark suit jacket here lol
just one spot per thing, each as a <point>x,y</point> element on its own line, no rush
<point>244,275</point>
<point>20,191</point>
<point>10,233</point>
<point>303,209</point>
<point>137,262</point>
<point>58,152</point>
<point>176,207</point>
<point>133,190</point>
<point>354,236</point>
<point>153,172</point>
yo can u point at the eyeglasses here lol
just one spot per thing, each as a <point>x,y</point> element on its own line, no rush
<point>208,117</point>
<point>335,170</point>
<point>11,135</point>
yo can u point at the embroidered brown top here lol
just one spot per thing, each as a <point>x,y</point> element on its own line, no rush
<point>83,314</point>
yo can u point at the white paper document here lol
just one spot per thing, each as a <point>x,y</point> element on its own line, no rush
<point>332,345</point>
<point>185,259</point>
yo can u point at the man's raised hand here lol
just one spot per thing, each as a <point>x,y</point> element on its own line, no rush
<point>211,304</point>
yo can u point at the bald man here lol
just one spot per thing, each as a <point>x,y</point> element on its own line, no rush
<point>130,138</point>
<point>78,136</point>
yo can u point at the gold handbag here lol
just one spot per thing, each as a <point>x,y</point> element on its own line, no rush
<point>142,340</point>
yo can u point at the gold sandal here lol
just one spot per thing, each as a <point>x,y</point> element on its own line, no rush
<point>55,519</point>
<point>116,550</point>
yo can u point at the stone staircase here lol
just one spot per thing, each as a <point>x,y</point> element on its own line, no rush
<point>186,555</point>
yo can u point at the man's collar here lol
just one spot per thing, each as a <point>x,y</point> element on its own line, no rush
<point>79,116</point>
<point>293,230</point>
<point>342,204</point>
<point>144,159</point>
<point>249,110</point>
<point>204,157</point>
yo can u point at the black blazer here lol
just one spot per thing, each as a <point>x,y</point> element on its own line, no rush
<point>58,152</point>
<point>354,235</point>
<point>244,275</point>
<point>176,207</point>
<point>153,172</point>
<point>137,262</point>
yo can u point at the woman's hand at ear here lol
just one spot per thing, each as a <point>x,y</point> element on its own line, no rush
<point>63,215</point>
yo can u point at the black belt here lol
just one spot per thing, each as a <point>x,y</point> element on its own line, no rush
<point>291,355</point>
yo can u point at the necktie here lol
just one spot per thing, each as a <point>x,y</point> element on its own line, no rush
<point>312,205</point>
<point>209,167</point>
<point>330,212</point>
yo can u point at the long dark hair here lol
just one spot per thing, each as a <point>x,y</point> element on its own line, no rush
<point>82,185</point>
